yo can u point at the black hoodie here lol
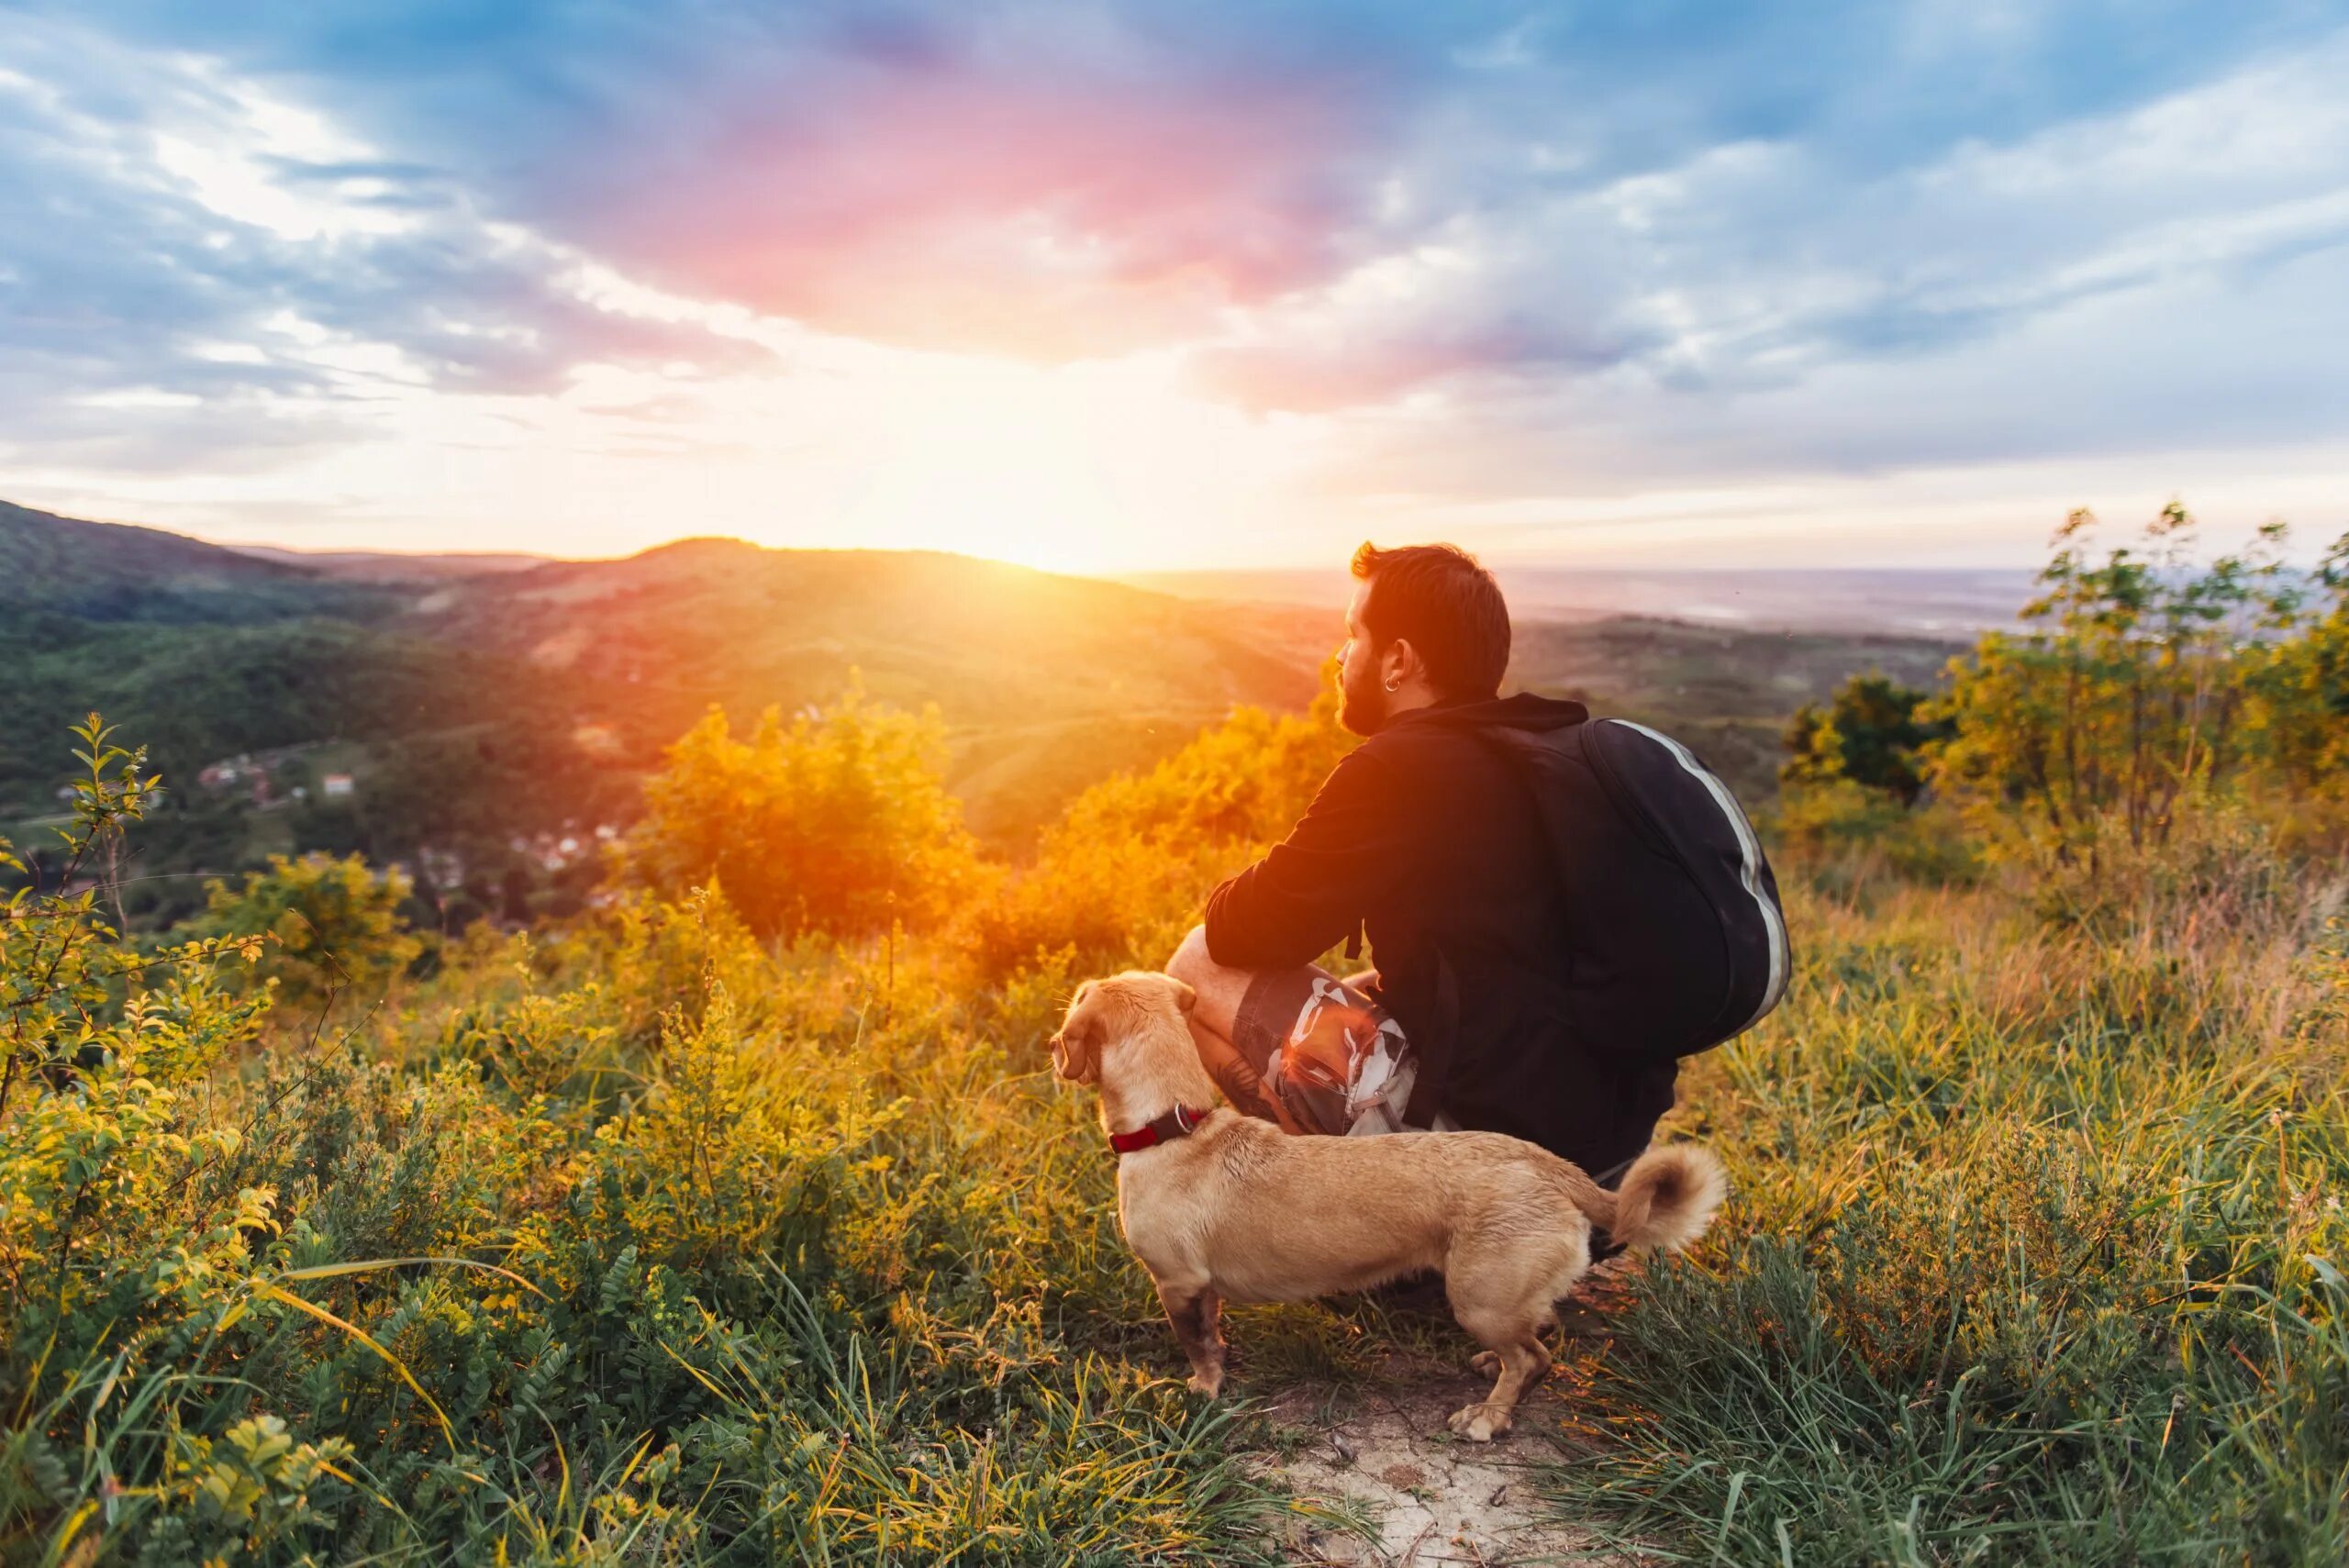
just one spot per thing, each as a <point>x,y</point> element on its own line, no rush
<point>1427,840</point>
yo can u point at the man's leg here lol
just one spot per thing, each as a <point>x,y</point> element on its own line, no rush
<point>1214,1020</point>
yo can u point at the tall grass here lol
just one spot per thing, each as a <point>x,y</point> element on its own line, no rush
<point>798,1256</point>
<point>646,1240</point>
<point>2035,1255</point>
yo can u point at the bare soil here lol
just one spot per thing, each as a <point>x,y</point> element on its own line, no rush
<point>1380,1454</point>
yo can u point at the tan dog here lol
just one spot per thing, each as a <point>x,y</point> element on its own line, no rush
<point>1229,1208</point>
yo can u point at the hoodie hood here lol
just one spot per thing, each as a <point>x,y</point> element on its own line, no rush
<point>1522,710</point>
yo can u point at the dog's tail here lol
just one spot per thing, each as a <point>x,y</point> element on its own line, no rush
<point>1668,1197</point>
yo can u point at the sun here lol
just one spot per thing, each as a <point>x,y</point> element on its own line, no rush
<point>1088,467</point>
<point>996,460</point>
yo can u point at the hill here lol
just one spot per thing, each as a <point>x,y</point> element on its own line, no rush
<point>112,571</point>
<point>475,701</point>
<point>472,710</point>
<point>390,566</point>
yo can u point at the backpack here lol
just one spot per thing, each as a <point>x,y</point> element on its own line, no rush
<point>1676,938</point>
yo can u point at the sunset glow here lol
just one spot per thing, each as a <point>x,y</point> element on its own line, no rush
<point>1122,291</point>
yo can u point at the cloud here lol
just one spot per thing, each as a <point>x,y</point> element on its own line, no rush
<point>192,268</point>
<point>1475,253</point>
<point>1055,183</point>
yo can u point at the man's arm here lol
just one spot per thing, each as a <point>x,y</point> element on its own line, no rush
<point>1313,889</point>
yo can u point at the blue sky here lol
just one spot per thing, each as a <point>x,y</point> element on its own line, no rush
<point>1121,285</point>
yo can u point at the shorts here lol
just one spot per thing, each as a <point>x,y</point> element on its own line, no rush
<point>1326,1057</point>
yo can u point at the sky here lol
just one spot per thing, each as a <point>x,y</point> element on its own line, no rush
<point>1112,286</point>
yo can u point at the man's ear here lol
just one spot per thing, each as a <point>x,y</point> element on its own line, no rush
<point>1184,997</point>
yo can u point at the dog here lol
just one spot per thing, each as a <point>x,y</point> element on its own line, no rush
<point>1221,1207</point>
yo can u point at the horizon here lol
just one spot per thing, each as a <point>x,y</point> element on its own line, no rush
<point>1130,292</point>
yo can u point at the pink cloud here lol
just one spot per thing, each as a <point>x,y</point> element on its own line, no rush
<point>1318,380</point>
<point>946,209</point>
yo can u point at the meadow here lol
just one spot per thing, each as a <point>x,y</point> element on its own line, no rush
<point>739,1219</point>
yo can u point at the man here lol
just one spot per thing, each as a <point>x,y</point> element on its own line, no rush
<point>1426,840</point>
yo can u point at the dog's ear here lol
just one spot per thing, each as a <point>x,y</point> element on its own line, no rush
<point>1184,997</point>
<point>1076,1050</point>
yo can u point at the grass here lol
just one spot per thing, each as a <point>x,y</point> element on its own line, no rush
<point>2034,1255</point>
<point>643,1240</point>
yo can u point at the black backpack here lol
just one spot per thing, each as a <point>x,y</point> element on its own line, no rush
<point>1676,941</point>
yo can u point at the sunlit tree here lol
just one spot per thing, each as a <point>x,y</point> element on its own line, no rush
<point>837,822</point>
<point>2139,681</point>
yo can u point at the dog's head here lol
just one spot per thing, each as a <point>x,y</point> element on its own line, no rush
<point>1109,1013</point>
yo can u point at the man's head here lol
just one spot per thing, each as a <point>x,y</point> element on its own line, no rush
<point>1427,625</point>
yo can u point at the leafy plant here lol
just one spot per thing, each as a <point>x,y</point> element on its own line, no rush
<point>838,822</point>
<point>325,926</point>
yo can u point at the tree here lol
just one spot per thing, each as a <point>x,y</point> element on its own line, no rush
<point>2137,683</point>
<point>2302,721</point>
<point>329,925</point>
<point>838,822</point>
<point>1871,732</point>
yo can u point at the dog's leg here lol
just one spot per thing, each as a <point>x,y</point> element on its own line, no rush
<point>1517,1355</point>
<point>1197,1317</point>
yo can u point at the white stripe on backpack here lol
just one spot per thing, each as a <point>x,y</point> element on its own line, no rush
<point>1749,874</point>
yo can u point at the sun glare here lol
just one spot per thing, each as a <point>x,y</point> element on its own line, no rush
<point>1077,468</point>
<point>995,460</point>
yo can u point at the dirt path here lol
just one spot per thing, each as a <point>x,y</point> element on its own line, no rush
<point>1382,1450</point>
<point>1432,1498</point>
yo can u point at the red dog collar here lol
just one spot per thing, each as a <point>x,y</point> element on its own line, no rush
<point>1175,1124</point>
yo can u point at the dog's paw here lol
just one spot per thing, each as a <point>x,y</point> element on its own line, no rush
<point>1487,1362</point>
<point>1210,1386</point>
<point>1481,1423</point>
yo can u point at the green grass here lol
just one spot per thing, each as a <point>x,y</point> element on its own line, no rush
<point>722,1252</point>
<point>2034,1255</point>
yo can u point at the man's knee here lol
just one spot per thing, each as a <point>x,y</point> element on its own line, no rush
<point>1191,961</point>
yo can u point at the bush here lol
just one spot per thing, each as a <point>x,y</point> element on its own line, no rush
<point>1872,733</point>
<point>2143,687</point>
<point>1839,829</point>
<point>640,1242</point>
<point>326,925</point>
<point>838,823</point>
<point>1123,874</point>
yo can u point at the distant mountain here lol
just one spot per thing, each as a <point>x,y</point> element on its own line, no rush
<point>1045,682</point>
<point>661,635</point>
<point>390,566</point>
<point>1926,601</point>
<point>473,702</point>
<point>114,572</point>
<point>484,702</point>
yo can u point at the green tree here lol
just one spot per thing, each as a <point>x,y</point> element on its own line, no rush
<point>328,925</point>
<point>2138,682</point>
<point>1872,733</point>
<point>2301,718</point>
<point>838,822</point>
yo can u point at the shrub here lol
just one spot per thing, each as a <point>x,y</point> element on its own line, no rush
<point>1125,871</point>
<point>327,926</point>
<point>1871,733</point>
<point>2142,686</point>
<point>837,823</point>
<point>573,1257</point>
<point>1839,829</point>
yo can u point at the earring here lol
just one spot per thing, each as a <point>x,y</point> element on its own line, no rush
<point>1394,685</point>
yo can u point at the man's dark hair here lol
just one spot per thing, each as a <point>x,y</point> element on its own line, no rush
<point>1438,599</point>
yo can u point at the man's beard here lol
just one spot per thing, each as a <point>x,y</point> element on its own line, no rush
<point>1362,701</point>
